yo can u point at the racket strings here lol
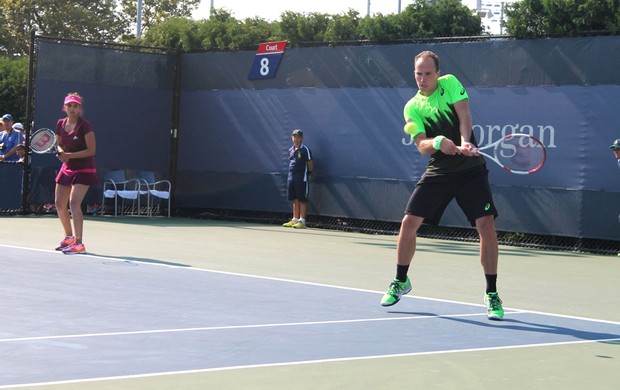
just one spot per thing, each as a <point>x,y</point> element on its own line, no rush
<point>42,140</point>
<point>521,154</point>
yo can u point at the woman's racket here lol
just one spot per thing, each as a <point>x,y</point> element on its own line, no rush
<point>519,153</point>
<point>43,141</point>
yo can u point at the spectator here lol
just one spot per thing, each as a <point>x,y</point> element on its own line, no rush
<point>615,147</point>
<point>20,150</point>
<point>10,138</point>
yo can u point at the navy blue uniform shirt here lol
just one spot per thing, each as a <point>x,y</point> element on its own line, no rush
<point>298,162</point>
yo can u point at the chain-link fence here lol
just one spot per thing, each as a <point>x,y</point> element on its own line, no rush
<point>130,98</point>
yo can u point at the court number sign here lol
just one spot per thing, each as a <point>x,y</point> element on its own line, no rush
<point>266,61</point>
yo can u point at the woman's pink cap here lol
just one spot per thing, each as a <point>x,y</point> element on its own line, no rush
<point>73,99</point>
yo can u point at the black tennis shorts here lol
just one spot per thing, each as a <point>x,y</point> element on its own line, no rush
<point>434,192</point>
<point>298,189</point>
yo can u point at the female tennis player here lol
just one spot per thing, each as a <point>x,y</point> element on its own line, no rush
<point>76,150</point>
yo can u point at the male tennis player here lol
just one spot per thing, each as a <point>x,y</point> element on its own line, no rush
<point>615,147</point>
<point>439,120</point>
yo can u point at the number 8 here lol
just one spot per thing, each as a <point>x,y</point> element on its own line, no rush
<point>264,66</point>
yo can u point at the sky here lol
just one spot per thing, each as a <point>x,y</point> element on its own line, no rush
<point>271,9</point>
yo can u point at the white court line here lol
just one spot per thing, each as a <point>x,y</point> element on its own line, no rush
<point>284,364</point>
<point>189,268</point>
<point>148,375</point>
<point>234,327</point>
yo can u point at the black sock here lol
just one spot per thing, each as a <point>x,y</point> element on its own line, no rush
<point>401,272</point>
<point>491,282</point>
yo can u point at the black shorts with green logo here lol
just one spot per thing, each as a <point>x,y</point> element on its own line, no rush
<point>434,192</point>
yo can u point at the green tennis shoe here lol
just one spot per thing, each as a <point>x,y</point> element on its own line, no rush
<point>495,311</point>
<point>396,290</point>
<point>290,223</point>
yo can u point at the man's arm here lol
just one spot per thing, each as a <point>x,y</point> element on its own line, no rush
<point>13,150</point>
<point>462,110</point>
<point>9,153</point>
<point>427,146</point>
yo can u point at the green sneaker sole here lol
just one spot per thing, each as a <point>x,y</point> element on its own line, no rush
<point>389,299</point>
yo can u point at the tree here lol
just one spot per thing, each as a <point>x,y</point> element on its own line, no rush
<point>600,15</point>
<point>157,11</point>
<point>223,32</point>
<point>423,19</point>
<point>343,27</point>
<point>574,17</point>
<point>536,18</point>
<point>453,19</point>
<point>526,19</point>
<point>174,32</point>
<point>381,28</point>
<point>13,86</point>
<point>300,27</point>
<point>251,32</point>
<point>77,19</point>
<point>213,31</point>
<point>220,32</point>
<point>5,41</point>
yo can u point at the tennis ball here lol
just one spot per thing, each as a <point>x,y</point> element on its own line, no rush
<point>409,128</point>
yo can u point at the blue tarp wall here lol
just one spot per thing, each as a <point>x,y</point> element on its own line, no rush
<point>349,101</point>
<point>127,97</point>
<point>233,133</point>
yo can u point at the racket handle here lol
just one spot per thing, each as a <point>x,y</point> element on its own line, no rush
<point>473,150</point>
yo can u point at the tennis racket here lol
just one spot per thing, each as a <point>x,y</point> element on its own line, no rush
<point>43,141</point>
<point>520,154</point>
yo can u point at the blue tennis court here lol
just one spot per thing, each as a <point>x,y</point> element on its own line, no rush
<point>80,318</point>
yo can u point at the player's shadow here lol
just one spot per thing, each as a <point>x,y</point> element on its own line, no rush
<point>525,326</point>
<point>136,260</point>
<point>414,313</point>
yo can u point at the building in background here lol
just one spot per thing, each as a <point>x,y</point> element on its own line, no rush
<point>492,14</point>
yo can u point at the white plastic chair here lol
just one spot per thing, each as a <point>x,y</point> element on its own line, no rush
<point>155,189</point>
<point>116,186</point>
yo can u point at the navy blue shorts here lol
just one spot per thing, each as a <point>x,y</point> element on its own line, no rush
<point>298,189</point>
<point>434,192</point>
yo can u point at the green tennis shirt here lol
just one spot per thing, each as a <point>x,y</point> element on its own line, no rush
<point>435,115</point>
